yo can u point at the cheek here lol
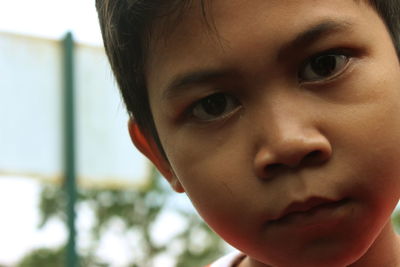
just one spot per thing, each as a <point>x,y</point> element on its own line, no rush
<point>218,179</point>
<point>366,138</point>
<point>210,176</point>
<point>210,161</point>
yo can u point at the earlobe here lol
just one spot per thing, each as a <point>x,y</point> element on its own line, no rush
<point>146,145</point>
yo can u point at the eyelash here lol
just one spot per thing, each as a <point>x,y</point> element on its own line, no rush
<point>230,102</point>
<point>344,54</point>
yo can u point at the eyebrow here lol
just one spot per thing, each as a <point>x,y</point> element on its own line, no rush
<point>193,78</point>
<point>314,33</point>
<point>304,38</point>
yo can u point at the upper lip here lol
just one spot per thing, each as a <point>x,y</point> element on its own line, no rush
<point>304,206</point>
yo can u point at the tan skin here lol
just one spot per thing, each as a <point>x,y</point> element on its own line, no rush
<point>267,124</point>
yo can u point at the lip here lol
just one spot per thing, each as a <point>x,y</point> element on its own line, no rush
<point>306,209</point>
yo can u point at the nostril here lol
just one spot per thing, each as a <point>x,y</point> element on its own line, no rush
<point>272,169</point>
<point>314,154</point>
<point>311,158</point>
<point>269,163</point>
<point>314,157</point>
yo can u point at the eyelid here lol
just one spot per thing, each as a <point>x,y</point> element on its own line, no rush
<point>335,51</point>
<point>218,119</point>
<point>189,112</point>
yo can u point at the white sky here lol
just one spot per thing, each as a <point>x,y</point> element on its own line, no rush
<point>51,18</point>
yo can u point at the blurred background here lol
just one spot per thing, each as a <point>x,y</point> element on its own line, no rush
<point>73,190</point>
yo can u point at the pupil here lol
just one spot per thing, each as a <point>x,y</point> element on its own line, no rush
<point>215,104</point>
<point>324,65</point>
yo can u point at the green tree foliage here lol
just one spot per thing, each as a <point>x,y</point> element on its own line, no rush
<point>42,257</point>
<point>396,221</point>
<point>138,210</point>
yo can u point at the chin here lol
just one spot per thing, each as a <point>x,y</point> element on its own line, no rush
<point>324,254</point>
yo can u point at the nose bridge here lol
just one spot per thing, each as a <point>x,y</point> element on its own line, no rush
<point>289,128</point>
<point>286,118</point>
<point>288,124</point>
<point>289,137</point>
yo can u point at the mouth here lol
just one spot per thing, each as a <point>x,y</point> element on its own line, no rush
<point>314,208</point>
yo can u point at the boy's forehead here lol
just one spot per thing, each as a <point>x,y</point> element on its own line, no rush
<point>203,30</point>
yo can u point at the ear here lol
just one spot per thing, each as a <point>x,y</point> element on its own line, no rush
<point>149,148</point>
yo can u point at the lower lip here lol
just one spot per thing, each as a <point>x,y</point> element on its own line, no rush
<point>322,216</point>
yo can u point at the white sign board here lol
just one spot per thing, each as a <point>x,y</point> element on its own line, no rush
<point>31,106</point>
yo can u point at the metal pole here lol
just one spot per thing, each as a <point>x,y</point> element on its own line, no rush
<point>69,148</point>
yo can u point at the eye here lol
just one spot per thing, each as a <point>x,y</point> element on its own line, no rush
<point>214,107</point>
<point>323,66</point>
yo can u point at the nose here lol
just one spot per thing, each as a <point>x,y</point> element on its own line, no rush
<point>291,149</point>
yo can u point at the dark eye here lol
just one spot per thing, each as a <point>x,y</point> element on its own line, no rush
<point>214,107</point>
<point>323,66</point>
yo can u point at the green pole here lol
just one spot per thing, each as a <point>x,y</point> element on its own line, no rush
<point>69,148</point>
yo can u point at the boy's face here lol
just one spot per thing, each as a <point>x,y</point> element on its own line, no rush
<point>291,104</point>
